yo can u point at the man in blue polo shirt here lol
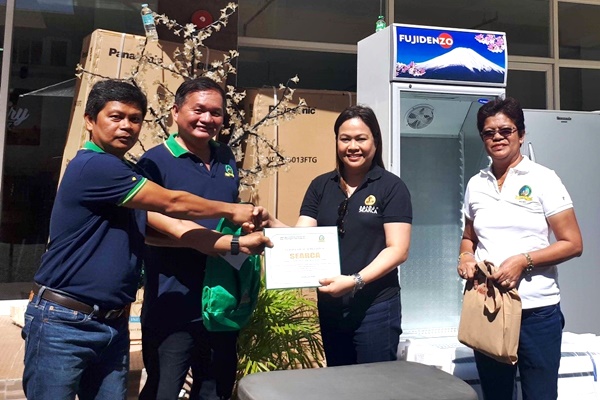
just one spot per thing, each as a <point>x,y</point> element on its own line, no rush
<point>173,335</point>
<point>76,325</point>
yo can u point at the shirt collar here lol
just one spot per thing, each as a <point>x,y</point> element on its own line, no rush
<point>89,145</point>
<point>373,174</point>
<point>178,150</point>
<point>522,167</point>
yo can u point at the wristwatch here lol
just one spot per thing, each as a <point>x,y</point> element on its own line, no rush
<point>235,245</point>
<point>358,283</point>
<point>529,266</point>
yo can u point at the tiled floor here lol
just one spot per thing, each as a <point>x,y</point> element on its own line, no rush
<point>11,364</point>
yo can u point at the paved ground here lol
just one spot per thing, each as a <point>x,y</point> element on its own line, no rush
<point>11,363</point>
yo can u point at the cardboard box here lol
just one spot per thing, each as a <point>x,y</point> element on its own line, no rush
<point>307,139</point>
<point>107,54</point>
<point>135,313</point>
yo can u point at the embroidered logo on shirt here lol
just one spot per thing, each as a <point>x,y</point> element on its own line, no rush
<point>524,193</point>
<point>369,206</point>
<point>369,201</point>
<point>229,171</point>
<point>133,178</point>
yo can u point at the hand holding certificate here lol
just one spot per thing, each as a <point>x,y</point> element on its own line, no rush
<point>301,256</point>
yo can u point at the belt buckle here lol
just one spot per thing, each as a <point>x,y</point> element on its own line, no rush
<point>111,314</point>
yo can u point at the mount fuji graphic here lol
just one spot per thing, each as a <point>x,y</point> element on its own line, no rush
<point>460,64</point>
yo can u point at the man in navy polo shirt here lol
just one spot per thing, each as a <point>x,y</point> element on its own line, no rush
<point>76,325</point>
<point>173,335</point>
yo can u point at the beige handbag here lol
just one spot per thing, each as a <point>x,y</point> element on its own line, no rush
<point>490,320</point>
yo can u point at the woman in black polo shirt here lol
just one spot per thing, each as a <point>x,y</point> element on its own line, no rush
<point>359,311</point>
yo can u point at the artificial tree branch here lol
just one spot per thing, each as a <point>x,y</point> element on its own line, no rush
<point>185,64</point>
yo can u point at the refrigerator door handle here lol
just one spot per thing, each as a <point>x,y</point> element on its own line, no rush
<point>530,151</point>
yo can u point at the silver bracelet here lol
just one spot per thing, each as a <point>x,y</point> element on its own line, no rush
<point>358,283</point>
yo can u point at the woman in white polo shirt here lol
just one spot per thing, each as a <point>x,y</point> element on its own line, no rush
<point>510,209</point>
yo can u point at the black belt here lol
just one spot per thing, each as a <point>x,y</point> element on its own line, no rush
<point>76,305</point>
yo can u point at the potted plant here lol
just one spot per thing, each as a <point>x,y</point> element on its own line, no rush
<point>282,334</point>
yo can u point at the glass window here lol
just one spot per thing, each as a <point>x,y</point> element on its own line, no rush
<point>333,71</point>
<point>529,87</point>
<point>58,52</point>
<point>526,23</point>
<point>579,89</point>
<point>21,50</point>
<point>36,52</point>
<point>578,31</point>
<point>332,21</point>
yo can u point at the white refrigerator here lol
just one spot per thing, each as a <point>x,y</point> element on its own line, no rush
<point>569,142</point>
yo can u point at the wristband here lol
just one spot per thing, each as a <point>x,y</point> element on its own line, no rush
<point>235,245</point>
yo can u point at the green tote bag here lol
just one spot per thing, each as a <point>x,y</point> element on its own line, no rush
<point>229,296</point>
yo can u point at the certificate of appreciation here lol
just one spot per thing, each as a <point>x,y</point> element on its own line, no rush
<point>301,256</point>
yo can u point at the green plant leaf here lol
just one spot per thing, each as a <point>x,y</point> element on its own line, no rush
<point>282,334</point>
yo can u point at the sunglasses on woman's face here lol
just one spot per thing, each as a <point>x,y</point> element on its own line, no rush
<point>504,132</point>
<point>342,209</point>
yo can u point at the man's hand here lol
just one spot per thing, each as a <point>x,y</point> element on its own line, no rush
<point>260,220</point>
<point>261,217</point>
<point>254,243</point>
<point>244,215</point>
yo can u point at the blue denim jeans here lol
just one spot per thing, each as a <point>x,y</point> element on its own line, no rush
<point>375,339</point>
<point>69,353</point>
<point>539,359</point>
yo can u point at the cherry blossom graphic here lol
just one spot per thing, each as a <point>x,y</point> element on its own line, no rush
<point>410,68</point>
<point>495,44</point>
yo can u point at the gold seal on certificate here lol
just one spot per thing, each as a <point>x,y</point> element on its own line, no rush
<point>301,256</point>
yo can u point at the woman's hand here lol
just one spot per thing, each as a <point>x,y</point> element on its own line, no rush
<point>510,271</point>
<point>467,265</point>
<point>338,285</point>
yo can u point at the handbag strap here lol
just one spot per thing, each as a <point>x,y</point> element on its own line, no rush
<point>486,267</point>
<point>491,302</point>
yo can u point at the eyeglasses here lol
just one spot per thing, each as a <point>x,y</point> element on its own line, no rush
<point>342,208</point>
<point>504,132</point>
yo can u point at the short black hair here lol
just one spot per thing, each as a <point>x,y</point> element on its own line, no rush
<point>114,90</point>
<point>366,115</point>
<point>200,84</point>
<point>508,106</point>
